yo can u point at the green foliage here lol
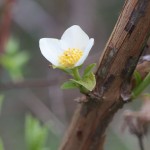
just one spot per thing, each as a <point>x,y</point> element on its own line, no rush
<point>1,145</point>
<point>85,83</point>
<point>138,78</point>
<point>69,85</point>
<point>147,94</point>
<point>142,86</point>
<point>35,134</point>
<point>88,70</point>
<point>1,101</point>
<point>13,60</point>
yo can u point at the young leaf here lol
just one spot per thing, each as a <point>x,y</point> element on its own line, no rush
<point>68,71</point>
<point>35,134</point>
<point>139,89</point>
<point>69,85</point>
<point>87,82</point>
<point>1,101</point>
<point>88,70</point>
<point>79,67</point>
<point>137,77</point>
<point>1,145</point>
<point>12,46</point>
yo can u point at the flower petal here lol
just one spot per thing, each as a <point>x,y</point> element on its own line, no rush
<point>50,49</point>
<point>74,37</point>
<point>86,52</point>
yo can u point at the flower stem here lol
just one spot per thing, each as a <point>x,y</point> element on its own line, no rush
<point>76,73</point>
<point>138,90</point>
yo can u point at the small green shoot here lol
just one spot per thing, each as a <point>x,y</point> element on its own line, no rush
<point>35,134</point>
<point>85,83</point>
<point>14,60</point>
<point>139,89</point>
<point>1,145</point>
<point>1,101</point>
<point>138,78</point>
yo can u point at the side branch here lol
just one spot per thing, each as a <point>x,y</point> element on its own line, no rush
<point>27,84</point>
<point>119,59</point>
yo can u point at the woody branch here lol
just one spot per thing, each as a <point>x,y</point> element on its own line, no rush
<point>117,63</point>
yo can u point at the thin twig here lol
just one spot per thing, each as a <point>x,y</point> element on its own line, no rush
<point>141,144</point>
<point>28,84</point>
<point>38,108</point>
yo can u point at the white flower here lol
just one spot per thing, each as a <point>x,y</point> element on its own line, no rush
<point>68,52</point>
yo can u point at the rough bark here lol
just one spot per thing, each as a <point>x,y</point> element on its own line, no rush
<point>119,59</point>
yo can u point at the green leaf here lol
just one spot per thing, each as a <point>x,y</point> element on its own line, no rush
<point>66,70</point>
<point>137,77</point>
<point>88,70</point>
<point>12,46</point>
<point>20,59</point>
<point>79,67</point>
<point>35,134</point>
<point>14,60</point>
<point>69,85</point>
<point>147,94</point>
<point>1,101</point>
<point>1,145</point>
<point>139,89</point>
<point>87,82</point>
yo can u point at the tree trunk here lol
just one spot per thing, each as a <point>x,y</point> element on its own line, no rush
<point>119,59</point>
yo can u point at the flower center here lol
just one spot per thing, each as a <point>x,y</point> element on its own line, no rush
<point>70,57</point>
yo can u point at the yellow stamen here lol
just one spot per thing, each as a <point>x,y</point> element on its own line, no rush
<point>70,57</point>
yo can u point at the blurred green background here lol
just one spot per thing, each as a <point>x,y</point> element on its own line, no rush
<point>35,112</point>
